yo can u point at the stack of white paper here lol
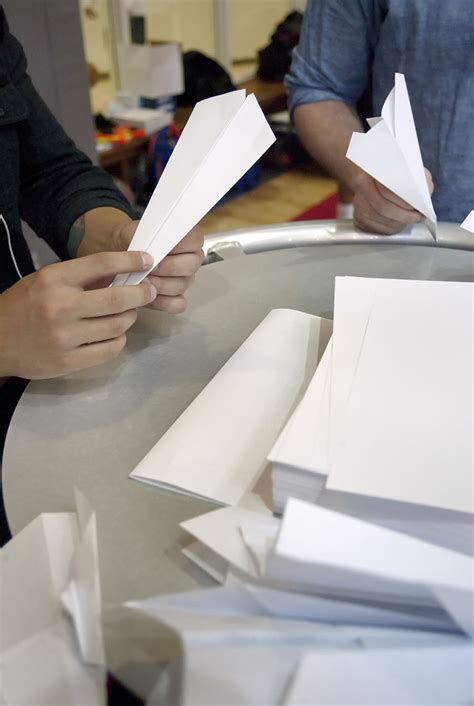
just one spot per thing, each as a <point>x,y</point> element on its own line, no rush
<point>389,412</point>
<point>401,418</point>
<point>299,457</point>
<point>322,551</point>
<point>391,154</point>
<point>217,449</point>
<point>223,138</point>
<point>46,657</point>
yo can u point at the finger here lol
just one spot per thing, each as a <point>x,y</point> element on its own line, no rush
<point>383,209</point>
<point>103,328</point>
<point>192,242</point>
<point>88,356</point>
<point>384,202</point>
<point>429,180</point>
<point>389,211</point>
<point>114,300</point>
<point>172,305</point>
<point>378,227</point>
<point>171,286</point>
<point>393,198</point>
<point>183,265</point>
<point>101,266</point>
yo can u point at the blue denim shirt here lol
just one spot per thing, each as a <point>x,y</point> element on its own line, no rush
<point>345,43</point>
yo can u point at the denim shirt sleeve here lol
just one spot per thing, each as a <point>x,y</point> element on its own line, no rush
<point>332,60</point>
<point>58,182</point>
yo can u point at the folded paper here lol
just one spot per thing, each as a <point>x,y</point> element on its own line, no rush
<point>217,449</point>
<point>223,138</point>
<point>43,651</point>
<point>391,154</point>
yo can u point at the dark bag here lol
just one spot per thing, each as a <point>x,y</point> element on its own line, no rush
<point>203,78</point>
<point>275,59</point>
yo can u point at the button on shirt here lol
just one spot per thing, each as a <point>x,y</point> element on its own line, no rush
<point>345,42</point>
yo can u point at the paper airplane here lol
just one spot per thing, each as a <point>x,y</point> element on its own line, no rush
<point>391,154</point>
<point>223,138</point>
<point>468,222</point>
<point>49,655</point>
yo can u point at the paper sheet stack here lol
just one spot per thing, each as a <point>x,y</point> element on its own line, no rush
<point>223,138</point>
<point>390,407</point>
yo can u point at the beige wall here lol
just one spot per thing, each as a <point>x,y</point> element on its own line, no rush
<point>252,22</point>
<point>97,38</point>
<point>189,22</point>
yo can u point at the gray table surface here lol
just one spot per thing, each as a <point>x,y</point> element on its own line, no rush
<point>90,430</point>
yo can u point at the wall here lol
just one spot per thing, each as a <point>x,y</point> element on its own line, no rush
<point>188,22</point>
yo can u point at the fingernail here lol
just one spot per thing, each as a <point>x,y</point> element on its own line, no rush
<point>147,259</point>
<point>153,292</point>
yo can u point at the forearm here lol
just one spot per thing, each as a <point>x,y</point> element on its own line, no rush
<point>325,129</point>
<point>97,231</point>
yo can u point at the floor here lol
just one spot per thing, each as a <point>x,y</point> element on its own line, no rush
<point>276,200</point>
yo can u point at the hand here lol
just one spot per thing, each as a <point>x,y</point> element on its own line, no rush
<point>56,321</point>
<point>175,273</point>
<point>379,210</point>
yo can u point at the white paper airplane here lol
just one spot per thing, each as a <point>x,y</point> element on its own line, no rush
<point>391,154</point>
<point>468,222</point>
<point>223,138</point>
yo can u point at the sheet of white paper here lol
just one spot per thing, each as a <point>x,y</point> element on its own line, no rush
<point>415,366</point>
<point>231,149</point>
<point>429,676</point>
<point>220,532</point>
<point>46,669</point>
<point>217,449</point>
<point>390,152</point>
<point>468,222</point>
<point>353,302</point>
<point>303,441</point>
<point>341,556</point>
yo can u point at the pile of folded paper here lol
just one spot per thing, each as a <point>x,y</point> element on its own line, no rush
<point>318,607</point>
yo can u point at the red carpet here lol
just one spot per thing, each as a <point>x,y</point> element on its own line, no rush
<point>320,211</point>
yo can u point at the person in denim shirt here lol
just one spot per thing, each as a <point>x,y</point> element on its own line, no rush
<point>348,45</point>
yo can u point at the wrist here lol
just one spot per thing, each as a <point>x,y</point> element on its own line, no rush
<point>6,352</point>
<point>102,231</point>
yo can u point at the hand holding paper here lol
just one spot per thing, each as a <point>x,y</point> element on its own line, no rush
<point>390,153</point>
<point>223,138</point>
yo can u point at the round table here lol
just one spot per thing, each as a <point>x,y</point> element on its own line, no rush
<point>90,429</point>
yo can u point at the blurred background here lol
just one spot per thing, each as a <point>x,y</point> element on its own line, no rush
<point>122,76</point>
